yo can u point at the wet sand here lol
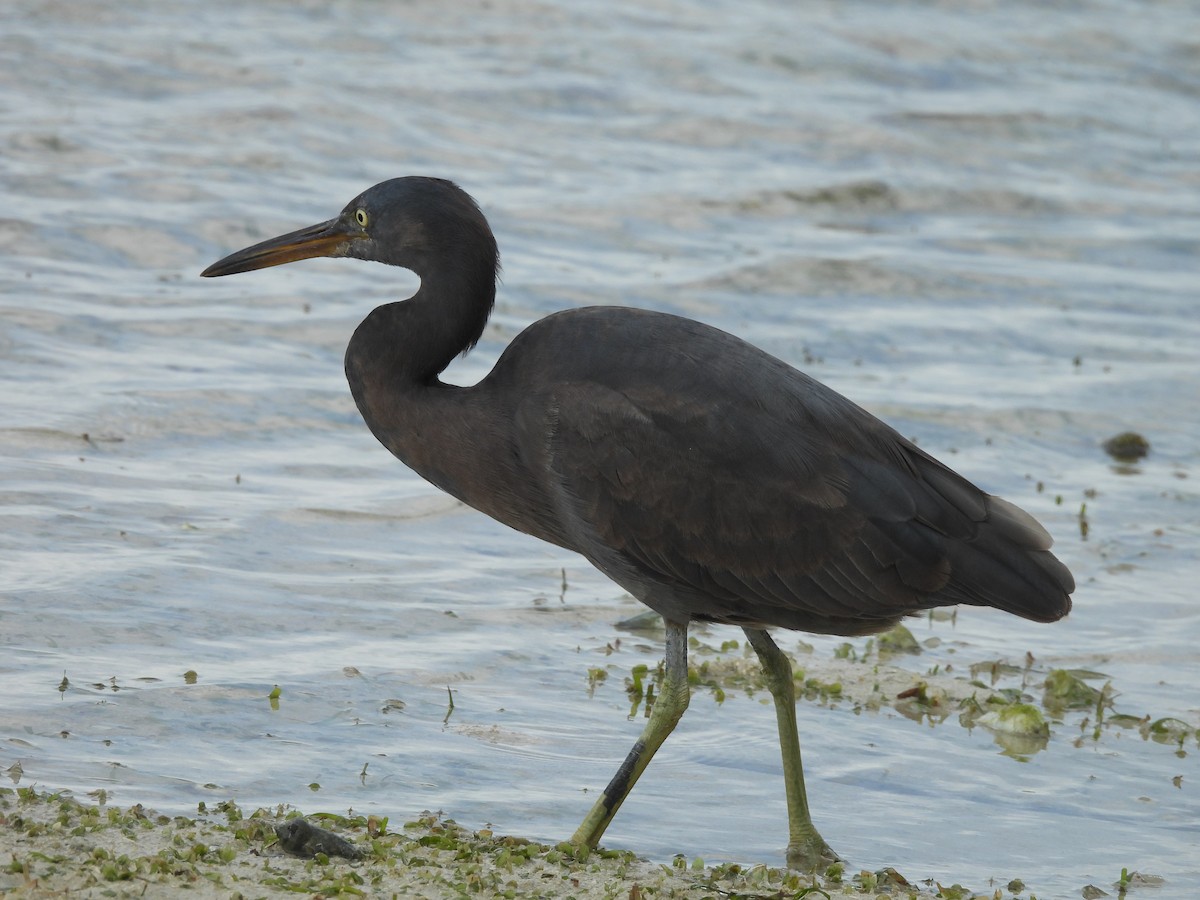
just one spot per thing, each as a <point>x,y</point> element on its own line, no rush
<point>61,847</point>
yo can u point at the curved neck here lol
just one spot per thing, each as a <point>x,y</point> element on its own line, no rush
<point>399,349</point>
<point>411,342</point>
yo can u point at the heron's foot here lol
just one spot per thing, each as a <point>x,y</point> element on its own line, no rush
<point>808,852</point>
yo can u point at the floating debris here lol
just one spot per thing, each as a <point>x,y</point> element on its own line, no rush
<point>1016,718</point>
<point>1127,447</point>
<point>1064,689</point>
<point>898,640</point>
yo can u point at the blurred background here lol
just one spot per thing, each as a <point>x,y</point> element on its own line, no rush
<point>979,221</point>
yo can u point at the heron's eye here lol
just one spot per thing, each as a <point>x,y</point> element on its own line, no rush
<point>360,216</point>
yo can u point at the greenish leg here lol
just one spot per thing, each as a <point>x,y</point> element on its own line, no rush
<point>806,848</point>
<point>668,708</point>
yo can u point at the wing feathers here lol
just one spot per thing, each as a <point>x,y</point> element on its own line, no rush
<point>804,514</point>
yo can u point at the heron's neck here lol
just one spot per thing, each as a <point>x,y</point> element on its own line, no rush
<point>411,342</point>
<point>457,438</point>
<point>392,364</point>
<point>399,349</point>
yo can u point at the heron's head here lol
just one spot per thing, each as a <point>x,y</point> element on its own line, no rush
<point>422,224</point>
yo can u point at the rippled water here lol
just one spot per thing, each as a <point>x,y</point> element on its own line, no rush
<point>981,223</point>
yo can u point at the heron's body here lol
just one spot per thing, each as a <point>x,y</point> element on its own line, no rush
<point>708,478</point>
<point>711,480</point>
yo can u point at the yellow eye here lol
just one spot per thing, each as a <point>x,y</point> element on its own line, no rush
<point>360,216</point>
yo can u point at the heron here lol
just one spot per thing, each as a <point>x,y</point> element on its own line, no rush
<point>709,479</point>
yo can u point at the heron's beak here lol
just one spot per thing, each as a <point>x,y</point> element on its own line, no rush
<point>330,238</point>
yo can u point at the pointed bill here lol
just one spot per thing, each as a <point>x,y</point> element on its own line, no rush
<point>330,238</point>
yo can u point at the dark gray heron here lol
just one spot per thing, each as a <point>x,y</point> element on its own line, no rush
<point>709,479</point>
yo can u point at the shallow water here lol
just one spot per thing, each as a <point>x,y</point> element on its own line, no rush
<point>981,224</point>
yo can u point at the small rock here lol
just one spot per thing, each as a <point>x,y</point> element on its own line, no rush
<point>1126,447</point>
<point>301,837</point>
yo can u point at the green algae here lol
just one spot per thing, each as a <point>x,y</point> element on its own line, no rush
<point>57,845</point>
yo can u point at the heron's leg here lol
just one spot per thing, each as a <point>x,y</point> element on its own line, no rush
<point>806,848</point>
<point>669,706</point>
